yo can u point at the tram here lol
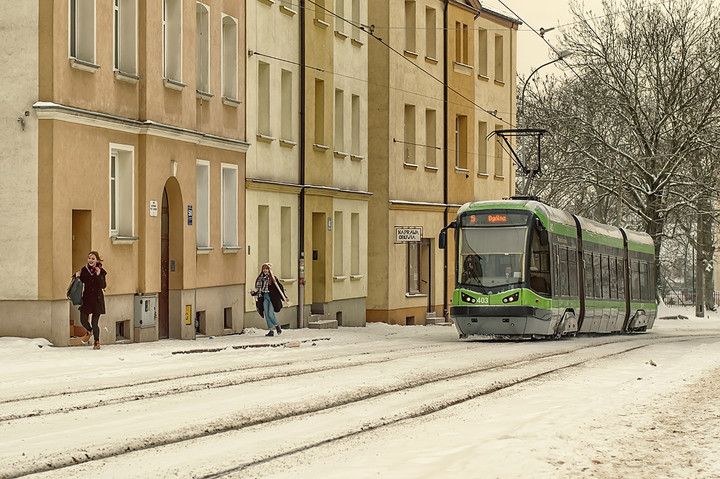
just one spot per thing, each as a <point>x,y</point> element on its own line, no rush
<point>526,270</point>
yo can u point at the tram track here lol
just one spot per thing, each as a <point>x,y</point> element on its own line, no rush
<point>500,376</point>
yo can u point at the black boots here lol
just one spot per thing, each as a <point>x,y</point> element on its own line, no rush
<point>278,329</point>
<point>270,333</point>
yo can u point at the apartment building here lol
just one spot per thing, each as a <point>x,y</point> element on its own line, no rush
<point>307,198</point>
<point>434,99</point>
<point>129,140</point>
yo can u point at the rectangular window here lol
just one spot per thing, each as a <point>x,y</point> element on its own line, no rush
<point>229,205</point>
<point>499,170</point>
<point>588,266</point>
<point>339,15</point>
<point>202,47</point>
<point>172,39</point>
<point>319,10</point>
<point>122,198</point>
<point>355,125</point>
<point>635,280</point>
<point>286,86</point>
<point>125,36</point>
<point>430,138</point>
<point>286,238</point>
<point>82,30</point>
<point>430,33</point>
<point>356,19</point>
<point>465,44</point>
<point>482,148</point>
<point>413,267</point>
<point>573,272</point>
<point>562,254</point>
<point>263,239</point>
<point>263,99</point>
<point>339,137</point>
<point>202,203</point>
<point>458,42</point>
<point>499,59</point>
<point>229,57</point>
<point>319,112</point>
<point>410,26</point>
<point>409,127</point>
<point>338,244</point>
<point>461,142</point>
<point>597,276</point>
<point>355,243</point>
<point>482,53</point>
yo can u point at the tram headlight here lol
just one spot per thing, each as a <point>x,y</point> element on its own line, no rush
<point>467,298</point>
<point>513,298</point>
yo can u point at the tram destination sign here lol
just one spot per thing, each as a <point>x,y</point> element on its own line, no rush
<point>408,234</point>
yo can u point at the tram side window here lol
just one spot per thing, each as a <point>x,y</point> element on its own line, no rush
<point>539,264</point>
<point>620,264</point>
<point>644,286</point>
<point>572,272</point>
<point>589,288</point>
<point>605,272</point>
<point>634,280</point>
<point>597,276</point>
<point>562,254</point>
<point>612,267</point>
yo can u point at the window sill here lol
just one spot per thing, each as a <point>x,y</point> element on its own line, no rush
<point>265,138</point>
<point>356,277</point>
<point>204,249</point>
<point>320,23</point>
<point>483,175</point>
<point>173,84</point>
<point>415,295</point>
<point>463,171</point>
<point>462,68</point>
<point>203,95</point>
<point>84,65</point>
<point>287,280</point>
<point>432,60</point>
<point>357,157</point>
<point>287,11</point>
<point>321,148</point>
<point>499,83</point>
<point>267,2</point>
<point>410,54</point>
<point>499,177</point>
<point>126,77</point>
<point>288,143</point>
<point>338,279</point>
<point>233,102</point>
<point>483,77</point>
<point>357,42</point>
<point>231,249</point>
<point>432,169</point>
<point>339,154</point>
<point>118,239</point>
<point>342,36</point>
<point>410,166</point>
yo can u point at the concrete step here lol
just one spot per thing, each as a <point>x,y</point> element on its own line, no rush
<point>321,321</point>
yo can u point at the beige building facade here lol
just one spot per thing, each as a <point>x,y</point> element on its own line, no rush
<point>433,103</point>
<point>133,145</point>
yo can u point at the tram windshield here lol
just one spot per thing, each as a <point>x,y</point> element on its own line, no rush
<point>492,256</point>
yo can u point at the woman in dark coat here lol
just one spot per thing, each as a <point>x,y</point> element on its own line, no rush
<point>92,276</point>
<point>270,295</point>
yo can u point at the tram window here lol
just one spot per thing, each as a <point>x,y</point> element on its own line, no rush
<point>572,272</point>
<point>621,278</point>
<point>634,280</point>
<point>589,288</point>
<point>644,290</point>
<point>605,273</point>
<point>612,265</point>
<point>562,271</point>
<point>597,277</point>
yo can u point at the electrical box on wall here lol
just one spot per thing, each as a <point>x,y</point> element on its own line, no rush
<point>145,311</point>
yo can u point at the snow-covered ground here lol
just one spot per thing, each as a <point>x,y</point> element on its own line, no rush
<point>380,401</point>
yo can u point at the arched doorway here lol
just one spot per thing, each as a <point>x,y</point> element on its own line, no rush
<point>171,255</point>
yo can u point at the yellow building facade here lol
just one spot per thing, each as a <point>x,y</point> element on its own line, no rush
<point>433,103</point>
<point>133,145</point>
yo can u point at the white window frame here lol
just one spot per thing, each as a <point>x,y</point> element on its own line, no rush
<point>125,36</point>
<point>81,30</point>
<point>172,39</point>
<point>202,47</point>
<point>229,57</point>
<point>121,191</point>
<point>229,202</point>
<point>202,204</point>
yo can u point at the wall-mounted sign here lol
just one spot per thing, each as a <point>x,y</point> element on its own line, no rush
<point>153,208</point>
<point>329,224</point>
<point>189,215</point>
<point>408,234</point>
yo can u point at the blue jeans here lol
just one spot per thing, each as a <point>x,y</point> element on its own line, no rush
<point>269,311</point>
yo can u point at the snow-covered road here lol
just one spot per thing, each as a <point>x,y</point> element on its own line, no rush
<point>380,401</point>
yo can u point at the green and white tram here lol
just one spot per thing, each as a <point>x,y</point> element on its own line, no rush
<point>525,269</point>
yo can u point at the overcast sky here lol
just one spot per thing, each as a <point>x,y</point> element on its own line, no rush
<point>532,50</point>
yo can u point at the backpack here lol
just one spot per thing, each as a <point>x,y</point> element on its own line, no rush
<point>74,291</point>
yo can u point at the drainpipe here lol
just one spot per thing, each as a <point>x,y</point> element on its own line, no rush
<point>301,199</point>
<point>445,157</point>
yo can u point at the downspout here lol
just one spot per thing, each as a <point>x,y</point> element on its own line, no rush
<point>301,198</point>
<point>446,220</point>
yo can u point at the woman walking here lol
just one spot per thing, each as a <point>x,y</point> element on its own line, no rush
<point>92,276</point>
<point>270,295</point>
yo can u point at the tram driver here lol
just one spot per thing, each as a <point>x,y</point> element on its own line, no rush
<point>472,269</point>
